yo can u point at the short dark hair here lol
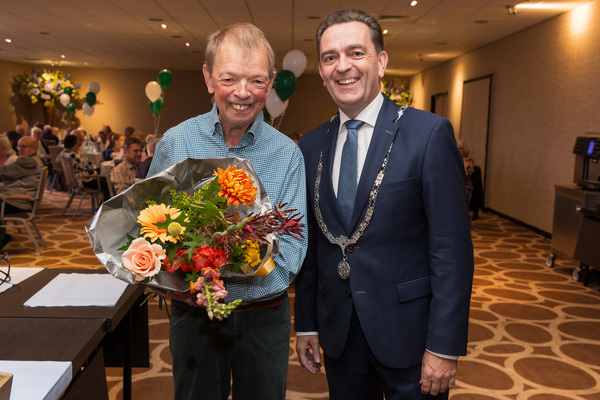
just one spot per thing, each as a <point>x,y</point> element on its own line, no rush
<point>342,16</point>
<point>132,140</point>
<point>70,141</point>
<point>13,136</point>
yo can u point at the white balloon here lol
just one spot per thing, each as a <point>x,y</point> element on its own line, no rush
<point>87,109</point>
<point>274,105</point>
<point>153,91</point>
<point>295,61</point>
<point>94,87</point>
<point>64,99</point>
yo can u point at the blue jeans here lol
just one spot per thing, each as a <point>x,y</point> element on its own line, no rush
<point>249,349</point>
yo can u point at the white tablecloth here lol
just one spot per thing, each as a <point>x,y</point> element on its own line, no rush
<point>97,158</point>
<point>106,167</point>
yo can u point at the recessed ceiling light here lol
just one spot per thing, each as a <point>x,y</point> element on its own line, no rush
<point>385,32</point>
<point>164,26</point>
<point>7,40</point>
<point>187,44</point>
<point>414,3</point>
<point>63,56</point>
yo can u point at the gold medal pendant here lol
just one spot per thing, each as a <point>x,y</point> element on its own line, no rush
<point>343,269</point>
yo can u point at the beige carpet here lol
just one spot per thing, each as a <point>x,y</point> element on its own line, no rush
<point>534,332</point>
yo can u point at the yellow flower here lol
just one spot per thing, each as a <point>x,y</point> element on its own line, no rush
<point>157,214</point>
<point>236,186</point>
<point>252,256</point>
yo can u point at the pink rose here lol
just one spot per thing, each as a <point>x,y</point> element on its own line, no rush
<point>143,259</point>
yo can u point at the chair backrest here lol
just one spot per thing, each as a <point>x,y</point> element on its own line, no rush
<point>68,170</point>
<point>55,152</point>
<point>111,188</point>
<point>40,190</point>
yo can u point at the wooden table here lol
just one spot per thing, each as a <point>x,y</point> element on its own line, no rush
<point>118,322</point>
<point>57,339</point>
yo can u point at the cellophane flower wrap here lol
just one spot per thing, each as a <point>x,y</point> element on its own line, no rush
<point>190,227</point>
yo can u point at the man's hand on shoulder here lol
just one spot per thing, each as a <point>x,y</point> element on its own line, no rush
<point>437,374</point>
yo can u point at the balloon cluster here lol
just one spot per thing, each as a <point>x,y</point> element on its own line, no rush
<point>154,90</point>
<point>90,99</point>
<point>285,83</point>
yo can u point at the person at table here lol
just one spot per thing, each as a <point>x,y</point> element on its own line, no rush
<point>123,175</point>
<point>20,178</point>
<point>49,134</point>
<point>128,131</point>
<point>386,285</point>
<point>85,171</point>
<point>142,169</point>
<point>43,151</point>
<point>7,154</point>
<point>251,346</point>
<point>115,143</point>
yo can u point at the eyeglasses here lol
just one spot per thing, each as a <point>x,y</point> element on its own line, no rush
<point>5,276</point>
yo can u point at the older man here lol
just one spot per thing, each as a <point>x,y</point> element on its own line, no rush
<point>123,175</point>
<point>20,178</point>
<point>386,284</point>
<point>251,347</point>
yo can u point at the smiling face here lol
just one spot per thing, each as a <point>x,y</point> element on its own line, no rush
<point>350,66</point>
<point>240,83</point>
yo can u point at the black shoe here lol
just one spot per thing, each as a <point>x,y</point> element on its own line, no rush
<point>7,238</point>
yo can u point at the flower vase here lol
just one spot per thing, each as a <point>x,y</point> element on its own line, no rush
<point>49,113</point>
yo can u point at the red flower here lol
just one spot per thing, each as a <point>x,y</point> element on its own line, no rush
<point>209,257</point>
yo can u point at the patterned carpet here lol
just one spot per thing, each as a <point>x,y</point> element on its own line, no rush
<point>534,332</point>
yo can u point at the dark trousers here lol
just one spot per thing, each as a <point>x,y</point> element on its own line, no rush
<point>249,348</point>
<point>357,375</point>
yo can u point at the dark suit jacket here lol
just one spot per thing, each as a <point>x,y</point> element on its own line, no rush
<point>412,270</point>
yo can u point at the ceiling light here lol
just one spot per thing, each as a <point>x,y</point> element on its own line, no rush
<point>164,26</point>
<point>385,31</point>
<point>7,40</point>
<point>187,44</point>
<point>414,3</point>
<point>511,10</point>
<point>63,56</point>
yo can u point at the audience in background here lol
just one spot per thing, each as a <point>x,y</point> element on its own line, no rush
<point>20,129</point>
<point>20,178</point>
<point>128,131</point>
<point>144,166</point>
<point>49,135</point>
<point>113,150</point>
<point>7,154</point>
<point>13,137</point>
<point>123,175</point>
<point>43,151</point>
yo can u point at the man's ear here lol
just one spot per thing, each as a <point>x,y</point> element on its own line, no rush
<point>207,79</point>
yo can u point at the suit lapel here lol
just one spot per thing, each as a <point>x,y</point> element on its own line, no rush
<point>330,206</point>
<point>383,135</point>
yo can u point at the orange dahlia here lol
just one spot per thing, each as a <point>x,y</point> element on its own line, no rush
<point>153,219</point>
<point>236,186</point>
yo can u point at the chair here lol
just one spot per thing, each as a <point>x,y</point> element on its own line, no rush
<point>27,216</point>
<point>57,170</point>
<point>111,188</point>
<point>76,189</point>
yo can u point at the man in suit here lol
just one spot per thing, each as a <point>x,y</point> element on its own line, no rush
<point>386,283</point>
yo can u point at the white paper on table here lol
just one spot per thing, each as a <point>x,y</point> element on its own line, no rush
<point>79,290</point>
<point>38,380</point>
<point>18,275</point>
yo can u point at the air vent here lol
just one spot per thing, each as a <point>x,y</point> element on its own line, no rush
<point>396,18</point>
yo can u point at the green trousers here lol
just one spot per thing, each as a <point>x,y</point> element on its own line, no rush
<point>246,354</point>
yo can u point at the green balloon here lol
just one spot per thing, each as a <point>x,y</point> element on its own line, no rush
<point>70,108</point>
<point>165,77</point>
<point>90,98</point>
<point>285,84</point>
<point>68,90</point>
<point>157,106</point>
<point>266,114</point>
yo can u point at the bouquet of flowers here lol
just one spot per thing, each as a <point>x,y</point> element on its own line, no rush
<point>399,95</point>
<point>204,220</point>
<point>45,86</point>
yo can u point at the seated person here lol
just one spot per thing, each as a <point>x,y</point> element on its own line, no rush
<point>144,166</point>
<point>49,134</point>
<point>123,175</point>
<point>7,154</point>
<point>43,152</point>
<point>20,178</point>
<point>82,166</point>
<point>113,149</point>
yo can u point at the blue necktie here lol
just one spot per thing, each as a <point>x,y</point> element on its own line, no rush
<point>348,170</point>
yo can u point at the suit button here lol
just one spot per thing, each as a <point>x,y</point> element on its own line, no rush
<point>350,248</point>
<point>348,293</point>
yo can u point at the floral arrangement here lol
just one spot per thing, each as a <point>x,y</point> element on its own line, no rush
<point>199,234</point>
<point>399,95</point>
<point>45,86</point>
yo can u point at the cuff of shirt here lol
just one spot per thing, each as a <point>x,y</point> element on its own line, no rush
<point>447,357</point>
<point>306,333</point>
